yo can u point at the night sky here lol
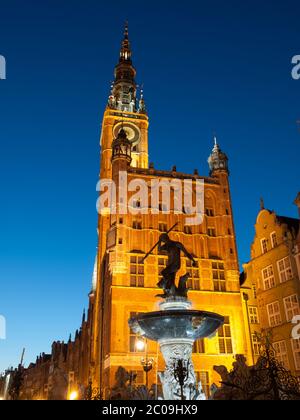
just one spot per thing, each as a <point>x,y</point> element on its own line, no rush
<point>206,66</point>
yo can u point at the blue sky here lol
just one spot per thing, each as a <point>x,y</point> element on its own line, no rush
<point>206,66</point>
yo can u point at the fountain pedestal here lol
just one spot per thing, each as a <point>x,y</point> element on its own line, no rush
<point>176,327</point>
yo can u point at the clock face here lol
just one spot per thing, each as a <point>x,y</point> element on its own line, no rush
<point>132,131</point>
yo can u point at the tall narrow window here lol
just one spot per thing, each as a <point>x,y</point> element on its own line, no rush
<point>291,305</point>
<point>296,352</point>
<point>211,231</point>
<point>203,377</point>
<point>162,227</point>
<point>199,347</point>
<point>281,353</point>
<point>188,230</point>
<point>253,315</point>
<point>225,339</point>
<point>274,314</point>
<point>137,225</point>
<point>210,212</point>
<point>194,275</point>
<point>256,344</point>
<point>268,277</point>
<point>285,269</point>
<point>219,277</point>
<point>264,245</point>
<point>136,271</point>
<point>274,240</point>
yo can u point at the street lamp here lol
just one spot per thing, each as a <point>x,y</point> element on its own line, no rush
<point>146,362</point>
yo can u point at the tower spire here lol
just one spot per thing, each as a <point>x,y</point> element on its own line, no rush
<point>123,94</point>
<point>125,53</point>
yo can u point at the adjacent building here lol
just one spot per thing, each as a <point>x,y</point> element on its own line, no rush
<point>273,286</point>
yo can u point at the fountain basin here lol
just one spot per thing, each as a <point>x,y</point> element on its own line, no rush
<point>176,324</point>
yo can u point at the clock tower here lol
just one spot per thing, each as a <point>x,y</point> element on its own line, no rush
<point>125,111</point>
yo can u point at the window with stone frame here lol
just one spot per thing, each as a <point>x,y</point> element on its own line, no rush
<point>218,272</point>
<point>281,353</point>
<point>285,269</point>
<point>253,315</point>
<point>136,271</point>
<point>268,277</point>
<point>194,275</point>
<point>225,338</point>
<point>274,314</point>
<point>291,306</point>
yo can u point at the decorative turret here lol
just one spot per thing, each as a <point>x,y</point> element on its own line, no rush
<point>218,161</point>
<point>142,105</point>
<point>121,147</point>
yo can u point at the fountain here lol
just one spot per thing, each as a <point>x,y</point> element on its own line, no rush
<point>176,327</point>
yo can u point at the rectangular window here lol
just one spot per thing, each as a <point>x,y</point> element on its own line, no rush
<point>162,227</point>
<point>137,225</point>
<point>281,353</point>
<point>264,245</point>
<point>285,269</point>
<point>194,275</point>
<point>268,277</point>
<point>225,339</point>
<point>212,232</point>
<point>219,280</point>
<point>133,337</point>
<point>199,347</point>
<point>209,212</point>
<point>136,271</point>
<point>274,314</point>
<point>296,352</point>
<point>274,240</point>
<point>291,305</point>
<point>203,377</point>
<point>256,344</point>
<point>188,230</point>
<point>253,315</point>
